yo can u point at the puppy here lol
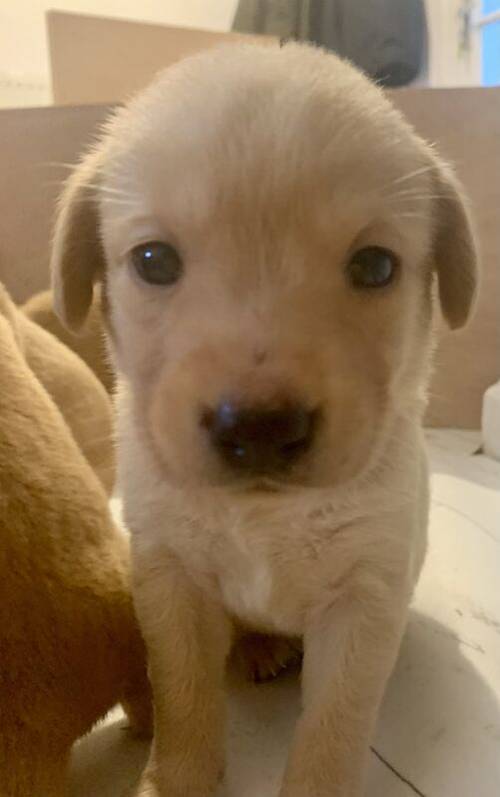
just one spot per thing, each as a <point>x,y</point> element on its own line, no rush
<point>267,229</point>
<point>89,344</point>
<point>70,644</point>
<point>78,394</point>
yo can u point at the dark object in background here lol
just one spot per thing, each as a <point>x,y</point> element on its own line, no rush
<point>385,38</point>
<point>285,19</point>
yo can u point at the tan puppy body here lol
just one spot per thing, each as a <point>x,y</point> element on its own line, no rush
<point>73,387</point>
<point>83,401</point>
<point>70,646</point>
<point>337,569</point>
<point>273,561</point>
<point>89,344</point>
<point>268,170</point>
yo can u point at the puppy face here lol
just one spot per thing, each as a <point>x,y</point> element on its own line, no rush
<point>269,227</point>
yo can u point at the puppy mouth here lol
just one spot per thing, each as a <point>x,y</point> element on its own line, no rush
<point>266,485</point>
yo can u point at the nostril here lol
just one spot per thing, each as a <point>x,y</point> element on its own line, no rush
<point>257,438</point>
<point>291,450</point>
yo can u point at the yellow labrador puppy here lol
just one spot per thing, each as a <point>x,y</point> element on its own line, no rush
<point>267,229</point>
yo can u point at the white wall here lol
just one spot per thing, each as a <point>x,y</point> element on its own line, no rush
<point>447,65</point>
<point>24,62</point>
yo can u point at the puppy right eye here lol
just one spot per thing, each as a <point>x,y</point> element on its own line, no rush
<point>157,263</point>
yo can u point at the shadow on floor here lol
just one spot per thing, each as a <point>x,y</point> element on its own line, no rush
<point>438,733</point>
<point>108,762</point>
<point>439,726</point>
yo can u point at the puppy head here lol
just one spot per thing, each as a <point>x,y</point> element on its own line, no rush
<point>267,228</point>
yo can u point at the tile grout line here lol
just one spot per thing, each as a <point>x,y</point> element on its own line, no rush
<point>398,774</point>
<point>437,503</point>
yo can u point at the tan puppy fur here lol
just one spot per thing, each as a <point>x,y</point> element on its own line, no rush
<point>70,646</point>
<point>89,344</point>
<point>81,398</point>
<point>267,169</point>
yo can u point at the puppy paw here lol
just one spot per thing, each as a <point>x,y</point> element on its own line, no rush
<point>262,658</point>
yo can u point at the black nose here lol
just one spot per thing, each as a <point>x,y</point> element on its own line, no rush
<point>260,440</point>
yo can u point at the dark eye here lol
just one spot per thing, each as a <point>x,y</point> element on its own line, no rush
<point>372,267</point>
<point>157,263</point>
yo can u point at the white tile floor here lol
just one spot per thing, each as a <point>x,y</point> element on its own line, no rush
<point>439,729</point>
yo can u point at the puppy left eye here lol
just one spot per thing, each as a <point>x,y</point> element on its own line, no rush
<point>372,267</point>
<point>157,263</point>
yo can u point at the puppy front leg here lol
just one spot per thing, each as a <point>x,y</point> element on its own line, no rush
<point>349,653</point>
<point>187,636</point>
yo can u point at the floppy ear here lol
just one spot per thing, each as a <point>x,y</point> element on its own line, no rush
<point>455,248</point>
<point>10,312</point>
<point>77,254</point>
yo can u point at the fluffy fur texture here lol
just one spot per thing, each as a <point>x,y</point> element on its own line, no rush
<point>69,641</point>
<point>267,168</point>
<point>77,392</point>
<point>89,344</point>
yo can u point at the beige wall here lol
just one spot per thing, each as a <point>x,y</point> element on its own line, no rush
<point>85,49</point>
<point>24,61</point>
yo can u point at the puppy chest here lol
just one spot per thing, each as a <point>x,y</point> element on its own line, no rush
<point>246,583</point>
<point>255,587</point>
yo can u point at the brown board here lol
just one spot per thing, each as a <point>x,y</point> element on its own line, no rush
<point>465,123</point>
<point>99,60</point>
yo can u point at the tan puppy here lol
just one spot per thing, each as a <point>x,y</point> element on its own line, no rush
<point>70,646</point>
<point>268,229</point>
<point>83,401</point>
<point>89,344</point>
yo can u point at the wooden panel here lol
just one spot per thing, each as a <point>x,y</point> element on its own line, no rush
<point>465,124</point>
<point>32,142</point>
<point>98,60</point>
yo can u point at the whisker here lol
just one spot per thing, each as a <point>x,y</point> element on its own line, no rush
<point>415,201</point>
<point>119,196</point>
<point>106,189</point>
<point>415,193</point>
<point>410,175</point>
<point>420,216</point>
<point>106,201</point>
<point>57,165</point>
<point>104,192</point>
<point>54,183</point>
<point>122,203</point>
